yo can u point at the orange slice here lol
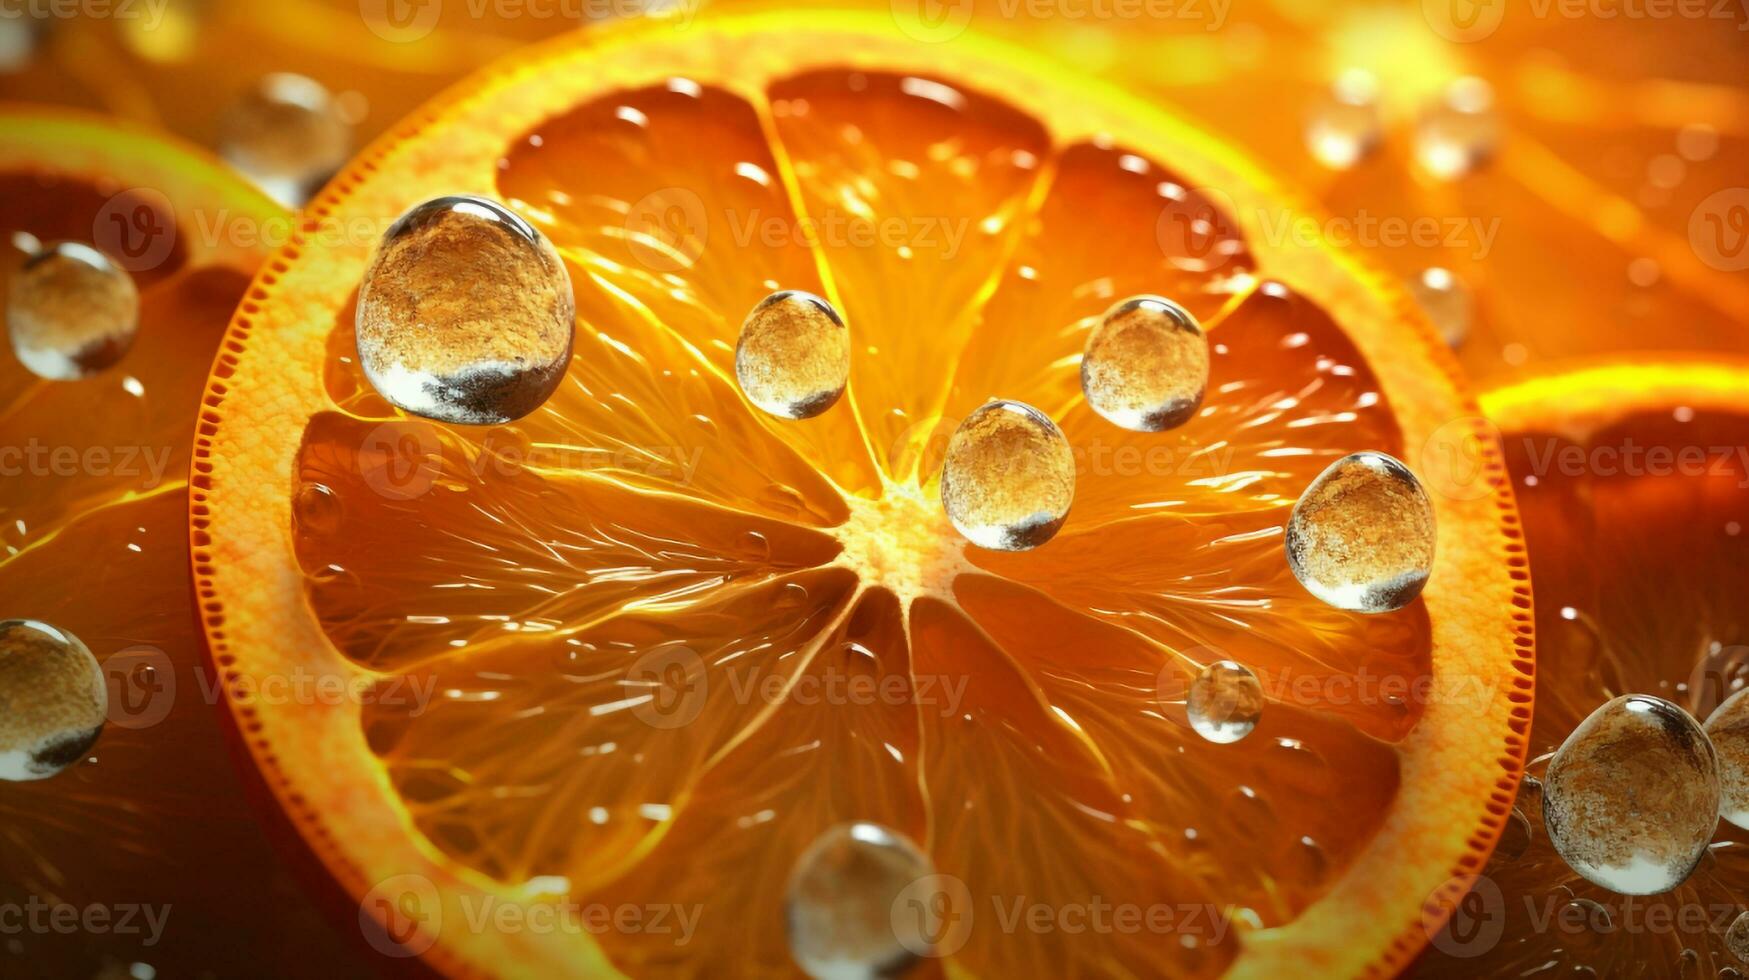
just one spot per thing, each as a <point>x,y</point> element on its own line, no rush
<point>93,503</point>
<point>665,641</point>
<point>1634,484</point>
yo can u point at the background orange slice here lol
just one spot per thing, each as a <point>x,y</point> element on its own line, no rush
<point>1634,486</point>
<point>539,580</point>
<point>93,506</point>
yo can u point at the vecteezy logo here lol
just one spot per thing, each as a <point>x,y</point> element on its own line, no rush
<point>1718,230</point>
<point>400,21</point>
<point>932,916</point>
<point>136,228</point>
<point>1463,21</point>
<point>666,230</point>
<point>401,916</point>
<point>400,460</point>
<point>666,686</point>
<point>1454,459</point>
<point>1477,921</point>
<point>932,21</point>
<point>1195,229</point>
<point>142,686</point>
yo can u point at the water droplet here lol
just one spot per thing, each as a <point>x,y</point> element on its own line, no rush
<point>465,314</point>
<point>1515,838</point>
<point>1737,937</point>
<point>793,595</point>
<point>316,509</point>
<point>1361,537</point>
<point>1447,301</point>
<point>1458,133</point>
<point>55,700</point>
<point>1728,727</point>
<point>1631,798</point>
<point>793,358</point>
<point>1146,365</point>
<point>1225,702</point>
<point>1345,126</point>
<point>287,135</point>
<point>755,546</point>
<point>1008,478</point>
<point>839,906</point>
<point>72,312</point>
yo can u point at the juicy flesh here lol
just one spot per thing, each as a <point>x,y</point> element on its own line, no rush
<point>1639,568</point>
<point>839,654</point>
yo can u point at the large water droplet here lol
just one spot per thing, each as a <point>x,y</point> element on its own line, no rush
<point>1631,798</point>
<point>1447,301</point>
<point>287,135</point>
<point>839,906</point>
<point>465,314</point>
<point>1008,478</point>
<point>1225,702</point>
<point>1728,726</point>
<point>1362,535</point>
<point>1737,937</point>
<point>1345,125</point>
<point>1458,132</point>
<point>1146,365</point>
<point>793,358</point>
<point>72,312</point>
<point>52,700</point>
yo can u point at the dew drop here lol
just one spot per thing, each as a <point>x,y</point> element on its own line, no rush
<point>839,905</point>
<point>1737,937</point>
<point>55,700</point>
<point>1345,126</point>
<point>1728,726</point>
<point>465,313</point>
<point>1146,365</point>
<point>288,135</point>
<point>1515,838</point>
<point>793,595</point>
<point>1362,535</point>
<point>1631,798</point>
<point>1225,702</point>
<point>1008,478</point>
<point>72,312</point>
<point>793,358</point>
<point>316,509</point>
<point>1447,301</point>
<point>1457,134</point>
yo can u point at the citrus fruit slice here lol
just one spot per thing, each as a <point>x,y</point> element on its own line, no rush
<point>632,654</point>
<point>93,541</point>
<point>1633,481</point>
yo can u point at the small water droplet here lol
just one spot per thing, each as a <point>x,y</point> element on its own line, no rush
<point>1008,478</point>
<point>1728,726</point>
<point>1631,798</point>
<point>1458,133</point>
<point>1345,125</point>
<point>1225,702</point>
<point>793,358</point>
<point>793,595</point>
<point>55,697</point>
<point>1447,301</point>
<point>1737,937</point>
<point>287,135</point>
<point>1146,365</point>
<point>1362,535</point>
<point>755,546</point>
<point>1585,923</point>
<point>316,509</point>
<point>72,312</point>
<point>839,905</point>
<point>465,314</point>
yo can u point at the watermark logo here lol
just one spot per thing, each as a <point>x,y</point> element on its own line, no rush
<point>932,916</point>
<point>1718,230</point>
<point>401,21</point>
<point>402,916</point>
<point>932,21</point>
<point>1477,921</point>
<point>1454,458</point>
<point>1464,21</point>
<point>1194,230</point>
<point>142,686</point>
<point>136,229</point>
<point>667,229</point>
<point>667,686</point>
<point>401,459</point>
